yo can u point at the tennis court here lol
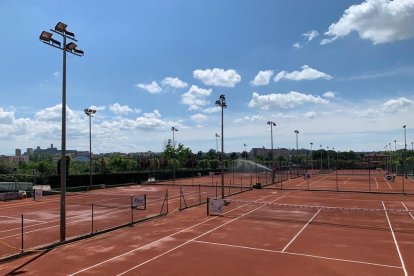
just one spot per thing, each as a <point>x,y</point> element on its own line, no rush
<point>260,232</point>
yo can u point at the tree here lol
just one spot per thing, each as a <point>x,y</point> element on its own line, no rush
<point>68,159</point>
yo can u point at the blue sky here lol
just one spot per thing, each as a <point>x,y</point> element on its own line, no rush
<point>340,72</point>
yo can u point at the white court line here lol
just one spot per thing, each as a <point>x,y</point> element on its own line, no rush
<point>193,239</point>
<point>395,240</point>
<point>407,210</point>
<point>298,254</point>
<point>303,228</point>
<point>19,218</point>
<point>388,183</point>
<point>376,182</point>
<point>156,241</point>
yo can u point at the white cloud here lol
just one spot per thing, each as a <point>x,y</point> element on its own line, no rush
<point>199,117</point>
<point>262,78</point>
<point>217,77</point>
<point>297,45</point>
<point>195,97</point>
<point>392,106</point>
<point>174,82</point>
<point>213,109</point>
<point>310,115</point>
<point>396,105</point>
<point>249,119</point>
<point>307,73</point>
<point>6,117</point>
<point>56,74</point>
<point>309,36</point>
<point>152,87</point>
<point>329,94</point>
<point>118,109</point>
<point>380,21</point>
<point>98,108</point>
<point>289,100</point>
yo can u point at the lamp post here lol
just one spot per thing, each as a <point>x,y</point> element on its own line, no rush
<point>321,157</point>
<point>46,37</point>
<point>327,152</point>
<point>221,102</point>
<point>272,124</point>
<point>405,149</point>
<point>173,143</point>
<point>412,147</point>
<point>245,150</point>
<point>217,136</point>
<point>90,112</point>
<point>311,144</point>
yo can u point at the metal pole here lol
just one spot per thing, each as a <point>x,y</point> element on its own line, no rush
<point>321,158</point>
<point>311,156</point>
<point>222,151</point>
<point>271,139</point>
<point>63,155</point>
<point>22,235</point>
<point>90,152</point>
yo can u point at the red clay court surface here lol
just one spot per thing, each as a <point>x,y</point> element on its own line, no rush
<point>246,240</point>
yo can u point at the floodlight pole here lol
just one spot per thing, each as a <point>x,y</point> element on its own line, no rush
<point>89,113</point>
<point>221,102</point>
<point>405,150</point>
<point>311,144</point>
<point>327,152</point>
<point>173,141</point>
<point>217,142</point>
<point>46,38</point>
<point>321,157</point>
<point>272,124</point>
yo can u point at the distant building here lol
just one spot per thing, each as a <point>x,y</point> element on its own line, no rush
<point>18,152</point>
<point>29,151</point>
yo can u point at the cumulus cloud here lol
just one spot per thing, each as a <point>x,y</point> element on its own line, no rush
<point>173,82</point>
<point>380,21</point>
<point>262,78</point>
<point>307,73</point>
<point>217,77</point>
<point>297,45</point>
<point>152,87</point>
<point>118,109</point>
<point>196,97</point>
<point>289,100</point>
<point>389,107</point>
<point>396,105</point>
<point>6,117</point>
<point>309,36</point>
<point>56,74</point>
<point>329,94</point>
<point>98,108</point>
<point>310,115</point>
<point>249,119</point>
<point>199,117</point>
<point>213,109</point>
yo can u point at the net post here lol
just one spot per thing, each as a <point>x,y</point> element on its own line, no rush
<point>199,193</point>
<point>208,203</point>
<point>132,210</point>
<point>92,216</point>
<point>22,235</point>
<point>167,200</point>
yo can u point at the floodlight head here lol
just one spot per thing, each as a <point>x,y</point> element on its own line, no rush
<point>174,129</point>
<point>222,97</point>
<point>218,103</point>
<point>296,131</point>
<point>45,36</point>
<point>71,46</point>
<point>60,27</point>
<point>404,126</point>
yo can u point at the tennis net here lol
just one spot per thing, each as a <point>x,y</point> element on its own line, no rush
<point>363,218</point>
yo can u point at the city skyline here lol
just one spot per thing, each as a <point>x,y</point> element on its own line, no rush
<point>341,73</point>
